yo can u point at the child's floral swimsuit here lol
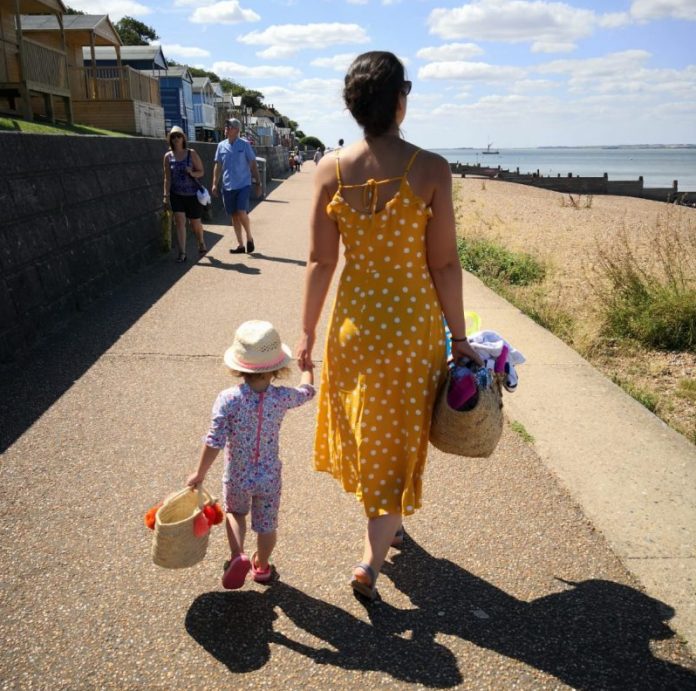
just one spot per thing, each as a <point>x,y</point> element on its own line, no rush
<point>247,425</point>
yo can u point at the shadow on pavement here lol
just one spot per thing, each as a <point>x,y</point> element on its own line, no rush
<point>595,634</point>
<point>30,386</point>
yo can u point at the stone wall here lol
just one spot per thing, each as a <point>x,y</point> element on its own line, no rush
<point>79,214</point>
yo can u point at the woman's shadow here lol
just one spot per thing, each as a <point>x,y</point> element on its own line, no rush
<point>594,634</point>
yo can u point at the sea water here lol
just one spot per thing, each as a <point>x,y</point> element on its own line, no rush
<point>659,167</point>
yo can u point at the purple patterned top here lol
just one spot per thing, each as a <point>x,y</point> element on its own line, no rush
<point>247,425</point>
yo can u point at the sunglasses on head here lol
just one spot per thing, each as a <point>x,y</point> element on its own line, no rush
<point>406,88</point>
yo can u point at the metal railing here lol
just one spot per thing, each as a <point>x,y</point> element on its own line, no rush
<point>113,84</point>
<point>44,68</point>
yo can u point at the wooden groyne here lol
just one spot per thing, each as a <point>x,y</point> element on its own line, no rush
<point>577,184</point>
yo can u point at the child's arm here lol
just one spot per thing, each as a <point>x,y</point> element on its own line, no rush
<point>208,456</point>
<point>307,376</point>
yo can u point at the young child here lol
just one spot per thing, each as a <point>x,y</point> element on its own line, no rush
<point>246,423</point>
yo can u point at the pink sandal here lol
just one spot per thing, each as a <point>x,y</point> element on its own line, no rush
<point>260,575</point>
<point>235,572</point>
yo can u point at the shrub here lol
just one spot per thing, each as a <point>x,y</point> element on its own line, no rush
<point>490,261</point>
<point>647,286</point>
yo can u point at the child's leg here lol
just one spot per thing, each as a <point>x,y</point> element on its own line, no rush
<point>264,522</point>
<point>236,532</point>
<point>236,503</point>
<point>265,542</point>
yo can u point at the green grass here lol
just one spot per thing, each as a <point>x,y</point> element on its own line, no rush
<point>16,125</point>
<point>495,264</point>
<point>645,398</point>
<point>519,428</point>
<point>687,389</point>
<point>652,302</point>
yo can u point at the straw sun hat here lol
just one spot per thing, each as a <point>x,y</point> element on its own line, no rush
<point>257,348</point>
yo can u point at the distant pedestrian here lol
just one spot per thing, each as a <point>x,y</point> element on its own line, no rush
<point>317,156</point>
<point>298,160</point>
<point>182,167</point>
<point>384,359</point>
<point>246,422</point>
<point>340,144</point>
<point>235,160</point>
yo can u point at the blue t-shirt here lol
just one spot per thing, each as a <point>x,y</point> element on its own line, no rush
<point>235,159</point>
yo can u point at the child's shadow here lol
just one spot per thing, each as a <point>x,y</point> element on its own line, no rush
<point>595,634</point>
<point>237,628</point>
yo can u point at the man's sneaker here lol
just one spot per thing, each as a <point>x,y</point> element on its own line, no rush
<point>250,247</point>
<point>239,250</point>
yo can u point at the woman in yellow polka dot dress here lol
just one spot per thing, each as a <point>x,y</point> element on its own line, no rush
<point>391,205</point>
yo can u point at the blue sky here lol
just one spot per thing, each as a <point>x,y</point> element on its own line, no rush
<point>515,72</point>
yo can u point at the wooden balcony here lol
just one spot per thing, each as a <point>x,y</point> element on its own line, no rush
<point>113,84</point>
<point>45,69</point>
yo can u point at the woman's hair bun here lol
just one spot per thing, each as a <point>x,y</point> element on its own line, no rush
<point>371,91</point>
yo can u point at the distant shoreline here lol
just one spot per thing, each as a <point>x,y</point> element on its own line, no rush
<point>560,146</point>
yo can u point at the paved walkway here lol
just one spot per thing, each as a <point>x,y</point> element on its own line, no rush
<point>558,564</point>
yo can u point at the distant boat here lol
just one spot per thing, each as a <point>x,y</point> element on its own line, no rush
<point>489,150</point>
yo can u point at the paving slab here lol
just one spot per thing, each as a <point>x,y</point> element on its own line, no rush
<point>505,580</point>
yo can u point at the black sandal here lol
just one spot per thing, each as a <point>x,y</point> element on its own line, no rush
<point>181,258</point>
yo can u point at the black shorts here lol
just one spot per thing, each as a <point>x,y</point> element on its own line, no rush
<point>188,205</point>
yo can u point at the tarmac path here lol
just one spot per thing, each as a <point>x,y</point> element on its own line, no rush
<point>504,581</point>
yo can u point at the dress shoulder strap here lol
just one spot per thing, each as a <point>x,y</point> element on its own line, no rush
<point>338,173</point>
<point>411,160</point>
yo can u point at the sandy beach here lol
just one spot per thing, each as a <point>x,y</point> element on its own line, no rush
<point>567,239</point>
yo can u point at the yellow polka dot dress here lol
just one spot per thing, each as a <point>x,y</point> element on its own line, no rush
<point>384,354</point>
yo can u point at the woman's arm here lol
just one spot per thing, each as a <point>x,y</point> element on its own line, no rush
<point>165,172</point>
<point>196,170</point>
<point>443,258</point>
<point>321,264</point>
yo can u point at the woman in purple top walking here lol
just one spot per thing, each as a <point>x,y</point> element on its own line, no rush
<point>182,167</point>
<point>246,422</point>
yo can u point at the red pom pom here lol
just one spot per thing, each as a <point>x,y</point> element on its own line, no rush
<point>200,525</point>
<point>210,514</point>
<point>150,516</point>
<point>219,514</point>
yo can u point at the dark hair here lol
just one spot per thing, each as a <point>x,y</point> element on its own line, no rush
<point>371,91</point>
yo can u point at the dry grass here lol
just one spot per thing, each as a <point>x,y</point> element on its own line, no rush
<point>575,239</point>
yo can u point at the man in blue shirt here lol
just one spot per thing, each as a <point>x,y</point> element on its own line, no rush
<point>236,161</point>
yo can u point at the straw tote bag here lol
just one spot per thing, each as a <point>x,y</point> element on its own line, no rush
<point>175,544</point>
<point>473,433</point>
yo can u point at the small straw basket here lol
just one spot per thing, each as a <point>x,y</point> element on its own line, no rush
<point>473,433</point>
<point>174,545</point>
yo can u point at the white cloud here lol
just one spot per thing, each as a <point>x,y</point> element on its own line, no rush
<point>237,72</point>
<point>320,86</point>
<point>514,21</point>
<point>621,73</point>
<point>225,12</point>
<point>339,63</point>
<point>470,71</point>
<point>296,37</point>
<point>527,85</point>
<point>179,51</point>
<point>552,47</point>
<point>450,51</point>
<point>116,9</point>
<point>657,9</point>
